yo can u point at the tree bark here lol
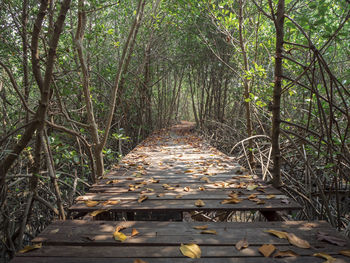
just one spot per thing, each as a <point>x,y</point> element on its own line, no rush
<point>276,104</point>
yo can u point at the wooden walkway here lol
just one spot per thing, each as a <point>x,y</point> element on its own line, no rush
<point>171,174</point>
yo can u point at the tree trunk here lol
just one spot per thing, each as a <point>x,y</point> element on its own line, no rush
<point>276,118</point>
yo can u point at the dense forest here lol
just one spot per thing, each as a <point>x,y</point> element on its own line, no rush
<point>83,82</point>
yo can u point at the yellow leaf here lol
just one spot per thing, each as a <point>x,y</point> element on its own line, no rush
<point>242,244</point>
<point>201,188</point>
<point>29,248</point>
<point>329,258</point>
<point>91,203</point>
<point>119,236</point>
<point>111,202</point>
<point>112,182</point>
<point>134,232</point>
<point>201,227</point>
<point>97,212</point>
<point>251,187</point>
<point>267,249</point>
<point>154,181</point>
<point>142,198</point>
<point>296,241</point>
<point>270,196</point>
<point>139,261</point>
<point>287,253</point>
<point>211,232</point>
<point>279,234</point>
<point>231,201</point>
<point>190,250</point>
<point>199,203</point>
<point>189,171</point>
<point>345,253</point>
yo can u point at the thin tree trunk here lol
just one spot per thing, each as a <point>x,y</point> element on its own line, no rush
<point>276,118</point>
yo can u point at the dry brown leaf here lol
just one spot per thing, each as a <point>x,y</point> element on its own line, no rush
<point>189,171</point>
<point>29,248</point>
<point>142,198</point>
<point>201,188</point>
<point>287,253</point>
<point>242,244</point>
<point>345,253</point>
<point>134,232</point>
<point>154,181</point>
<point>260,202</point>
<point>211,232</point>
<point>329,258</point>
<point>270,196</point>
<point>97,212</point>
<point>267,249</point>
<point>280,234</point>
<point>201,227</point>
<point>296,241</point>
<point>91,203</point>
<point>187,189</point>
<point>139,261</point>
<point>231,201</point>
<point>190,250</point>
<point>178,196</point>
<point>199,203</point>
<point>252,196</point>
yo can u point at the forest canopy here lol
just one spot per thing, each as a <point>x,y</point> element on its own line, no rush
<point>83,82</point>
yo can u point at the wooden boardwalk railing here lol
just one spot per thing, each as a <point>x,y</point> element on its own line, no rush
<point>171,174</point>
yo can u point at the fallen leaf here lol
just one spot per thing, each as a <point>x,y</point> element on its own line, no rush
<point>287,253</point>
<point>267,249</point>
<point>111,202</point>
<point>322,236</point>
<point>160,195</point>
<point>119,236</point>
<point>199,203</point>
<point>190,250</point>
<point>91,203</point>
<point>277,233</point>
<point>97,212</point>
<point>270,196</point>
<point>112,182</point>
<point>252,196</point>
<point>285,201</point>
<point>296,241</point>
<point>142,198</point>
<point>261,190</point>
<point>139,261</point>
<point>329,258</point>
<point>231,201</point>
<point>242,244</point>
<point>211,232</point>
<point>345,253</point>
<point>154,181</point>
<point>134,232</point>
<point>201,227</point>
<point>29,248</point>
<point>187,189</point>
<point>260,202</point>
<point>178,196</point>
<point>201,188</point>
<point>251,187</point>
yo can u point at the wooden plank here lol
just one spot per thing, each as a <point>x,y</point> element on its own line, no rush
<point>165,251</point>
<point>303,259</point>
<point>160,233</point>
<point>168,196</point>
<point>187,205</point>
